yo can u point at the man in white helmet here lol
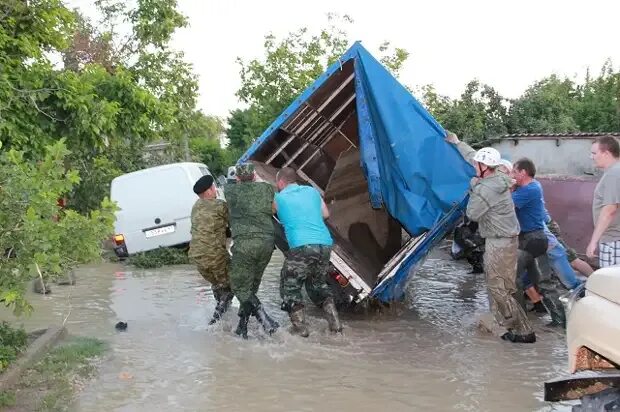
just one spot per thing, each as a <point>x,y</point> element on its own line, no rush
<point>490,204</point>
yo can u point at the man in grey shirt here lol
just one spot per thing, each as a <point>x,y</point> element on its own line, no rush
<point>606,235</point>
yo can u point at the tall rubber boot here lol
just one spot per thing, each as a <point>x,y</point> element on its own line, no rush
<point>223,297</point>
<point>331,313</point>
<point>268,324</point>
<point>245,311</point>
<point>556,311</point>
<point>514,338</point>
<point>298,319</point>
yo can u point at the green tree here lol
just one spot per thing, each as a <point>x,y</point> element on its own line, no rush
<point>289,66</point>
<point>480,112</point>
<point>37,237</point>
<point>548,106</point>
<point>598,109</point>
<point>244,126</point>
<point>117,92</point>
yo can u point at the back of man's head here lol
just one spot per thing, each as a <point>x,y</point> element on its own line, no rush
<point>286,175</point>
<point>526,165</point>
<point>245,172</point>
<point>608,144</point>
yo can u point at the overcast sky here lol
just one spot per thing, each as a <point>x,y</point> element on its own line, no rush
<point>508,45</point>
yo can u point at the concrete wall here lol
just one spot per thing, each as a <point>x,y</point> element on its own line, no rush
<point>570,157</point>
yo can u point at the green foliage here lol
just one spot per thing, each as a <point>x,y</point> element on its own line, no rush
<point>551,105</point>
<point>245,126</point>
<point>50,384</point>
<point>480,112</point>
<point>65,358</point>
<point>289,66</point>
<point>7,398</point>
<point>159,257</point>
<point>598,108</point>
<point>12,342</point>
<point>122,87</point>
<point>217,159</point>
<point>547,106</point>
<point>40,239</point>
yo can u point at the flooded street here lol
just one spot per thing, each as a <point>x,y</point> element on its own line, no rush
<point>428,357</point>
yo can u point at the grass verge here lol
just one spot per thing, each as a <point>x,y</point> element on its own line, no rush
<point>51,383</point>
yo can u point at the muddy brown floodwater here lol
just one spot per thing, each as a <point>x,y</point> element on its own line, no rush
<point>425,356</point>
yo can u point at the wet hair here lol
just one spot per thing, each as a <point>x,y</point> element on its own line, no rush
<point>527,165</point>
<point>287,175</point>
<point>608,144</point>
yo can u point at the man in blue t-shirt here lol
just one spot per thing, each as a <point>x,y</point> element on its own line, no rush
<point>302,211</point>
<point>533,242</point>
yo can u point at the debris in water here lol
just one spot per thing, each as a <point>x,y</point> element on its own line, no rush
<point>121,326</point>
<point>125,376</point>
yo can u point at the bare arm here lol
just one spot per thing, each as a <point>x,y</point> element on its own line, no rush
<point>607,215</point>
<point>464,149</point>
<point>324,210</point>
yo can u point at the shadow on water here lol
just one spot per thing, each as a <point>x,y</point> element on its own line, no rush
<point>425,355</point>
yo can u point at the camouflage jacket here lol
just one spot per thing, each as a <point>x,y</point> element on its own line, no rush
<point>209,223</point>
<point>249,205</point>
<point>490,202</point>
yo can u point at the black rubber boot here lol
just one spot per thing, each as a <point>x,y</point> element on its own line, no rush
<point>331,313</point>
<point>512,337</point>
<point>223,297</point>
<point>556,311</point>
<point>298,319</point>
<point>538,307</point>
<point>268,324</point>
<point>244,317</point>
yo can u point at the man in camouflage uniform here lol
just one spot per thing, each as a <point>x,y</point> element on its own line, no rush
<point>301,211</point>
<point>490,204</point>
<point>207,247</point>
<point>249,205</point>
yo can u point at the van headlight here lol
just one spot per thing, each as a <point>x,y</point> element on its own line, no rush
<point>572,296</point>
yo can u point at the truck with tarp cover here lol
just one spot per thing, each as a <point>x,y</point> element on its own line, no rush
<point>394,187</point>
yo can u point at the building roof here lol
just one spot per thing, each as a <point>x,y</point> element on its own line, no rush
<point>545,136</point>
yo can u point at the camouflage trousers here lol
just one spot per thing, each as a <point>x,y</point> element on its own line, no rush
<point>250,257</point>
<point>500,267</point>
<point>306,265</point>
<point>215,270</point>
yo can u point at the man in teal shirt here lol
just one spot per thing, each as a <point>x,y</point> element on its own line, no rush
<point>301,211</point>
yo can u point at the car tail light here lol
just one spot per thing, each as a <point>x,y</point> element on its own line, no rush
<point>342,281</point>
<point>119,240</point>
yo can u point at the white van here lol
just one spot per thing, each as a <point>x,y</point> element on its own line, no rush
<point>155,207</point>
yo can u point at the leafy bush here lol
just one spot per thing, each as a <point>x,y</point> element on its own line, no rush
<point>39,237</point>
<point>159,257</point>
<point>12,342</point>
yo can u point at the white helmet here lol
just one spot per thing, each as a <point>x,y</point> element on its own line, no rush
<point>232,172</point>
<point>488,156</point>
<point>506,163</point>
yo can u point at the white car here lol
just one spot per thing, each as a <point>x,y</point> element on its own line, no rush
<point>593,338</point>
<point>155,207</point>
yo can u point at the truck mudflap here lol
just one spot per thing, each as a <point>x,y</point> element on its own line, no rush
<point>581,384</point>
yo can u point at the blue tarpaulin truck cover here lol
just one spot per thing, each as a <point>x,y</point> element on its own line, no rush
<point>410,170</point>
